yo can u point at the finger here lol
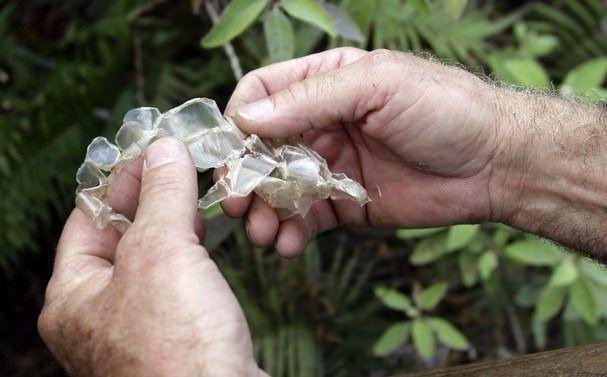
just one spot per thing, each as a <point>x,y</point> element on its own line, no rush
<point>82,247</point>
<point>262,222</point>
<point>233,207</point>
<point>347,94</point>
<point>265,81</point>
<point>199,226</point>
<point>295,232</point>
<point>168,188</point>
<point>123,191</point>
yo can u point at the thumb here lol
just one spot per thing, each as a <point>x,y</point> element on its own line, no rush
<point>341,95</point>
<point>168,186</point>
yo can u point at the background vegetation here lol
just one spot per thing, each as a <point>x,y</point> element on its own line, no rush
<point>358,302</point>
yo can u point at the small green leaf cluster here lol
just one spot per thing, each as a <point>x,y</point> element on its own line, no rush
<point>423,329</point>
<point>520,64</point>
<point>277,26</point>
<point>477,249</point>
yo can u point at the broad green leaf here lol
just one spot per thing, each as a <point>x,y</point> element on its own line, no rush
<point>459,235</point>
<point>454,8</point>
<point>467,265</point>
<point>429,250</point>
<point>392,338</point>
<point>569,313</point>
<point>534,252</point>
<point>393,299</point>
<point>586,76</point>
<point>582,301</point>
<point>343,24</point>
<point>234,19</point>
<point>564,274</point>
<point>361,11</point>
<point>527,72</point>
<point>501,235</point>
<point>448,334</point>
<point>423,339</point>
<point>549,303</point>
<point>279,35</point>
<point>541,45</point>
<point>309,11</point>
<point>593,270</point>
<point>406,234</point>
<point>431,296</point>
<point>486,264</point>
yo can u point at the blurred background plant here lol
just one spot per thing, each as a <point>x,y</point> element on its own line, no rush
<point>70,70</point>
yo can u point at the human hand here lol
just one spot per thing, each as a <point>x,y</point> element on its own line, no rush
<point>151,302</point>
<point>419,135</point>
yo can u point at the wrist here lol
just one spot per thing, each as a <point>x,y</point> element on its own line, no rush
<point>549,175</point>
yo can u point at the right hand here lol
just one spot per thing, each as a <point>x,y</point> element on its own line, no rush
<point>419,135</point>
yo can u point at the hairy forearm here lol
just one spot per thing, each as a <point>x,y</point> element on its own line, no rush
<point>551,174</point>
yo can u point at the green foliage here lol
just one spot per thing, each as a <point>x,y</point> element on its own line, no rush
<point>317,315</point>
<point>279,34</point>
<point>392,338</point>
<point>431,296</point>
<point>237,16</point>
<point>534,252</point>
<point>309,11</point>
<point>425,330</point>
<point>460,235</point>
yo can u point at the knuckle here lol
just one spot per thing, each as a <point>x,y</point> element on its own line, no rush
<point>47,322</point>
<point>350,50</point>
<point>381,59</point>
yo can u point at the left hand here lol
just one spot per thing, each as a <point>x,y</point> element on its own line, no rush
<point>151,302</point>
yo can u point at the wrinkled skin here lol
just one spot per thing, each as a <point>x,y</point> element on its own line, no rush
<point>152,302</point>
<point>419,135</point>
<point>433,145</point>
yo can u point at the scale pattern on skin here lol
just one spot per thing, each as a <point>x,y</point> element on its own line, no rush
<point>290,177</point>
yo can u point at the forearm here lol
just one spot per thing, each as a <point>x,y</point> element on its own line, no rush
<point>551,174</point>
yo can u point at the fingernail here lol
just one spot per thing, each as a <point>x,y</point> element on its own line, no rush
<point>163,151</point>
<point>256,110</point>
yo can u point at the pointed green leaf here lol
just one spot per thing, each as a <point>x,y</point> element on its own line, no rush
<point>534,252</point>
<point>564,274</point>
<point>361,11</point>
<point>234,19</point>
<point>549,303</point>
<point>279,35</point>
<point>393,299</point>
<point>429,250</point>
<point>448,334</point>
<point>343,24</point>
<point>593,270</point>
<point>527,72</point>
<point>541,45</point>
<point>407,234</point>
<point>423,339</point>
<point>588,75</point>
<point>460,235</point>
<point>431,296</point>
<point>583,302</point>
<point>467,262</point>
<point>487,264</point>
<point>309,11</point>
<point>454,8</point>
<point>392,338</point>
